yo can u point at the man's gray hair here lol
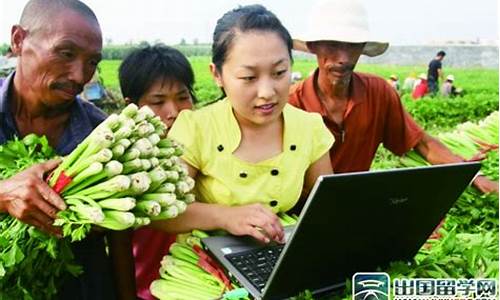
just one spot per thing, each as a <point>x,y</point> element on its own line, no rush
<point>38,14</point>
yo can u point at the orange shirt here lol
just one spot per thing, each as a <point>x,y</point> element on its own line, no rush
<point>374,115</point>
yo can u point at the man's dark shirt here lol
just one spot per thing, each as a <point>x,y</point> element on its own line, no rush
<point>96,281</point>
<point>432,72</point>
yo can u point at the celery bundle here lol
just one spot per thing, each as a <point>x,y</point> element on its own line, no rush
<point>468,140</point>
<point>485,133</point>
<point>460,144</point>
<point>287,220</point>
<point>181,276</point>
<point>412,160</point>
<point>33,264</point>
<point>490,123</point>
<point>124,174</point>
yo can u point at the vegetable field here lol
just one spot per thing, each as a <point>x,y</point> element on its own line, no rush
<point>480,85</point>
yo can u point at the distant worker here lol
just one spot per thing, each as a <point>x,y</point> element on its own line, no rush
<point>93,91</point>
<point>295,76</point>
<point>435,72</point>
<point>409,83</point>
<point>8,63</point>
<point>9,53</point>
<point>394,82</point>
<point>421,89</point>
<point>448,89</point>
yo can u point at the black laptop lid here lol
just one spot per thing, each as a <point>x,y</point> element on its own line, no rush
<point>358,221</point>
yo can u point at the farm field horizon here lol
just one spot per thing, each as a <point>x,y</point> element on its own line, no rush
<point>472,80</point>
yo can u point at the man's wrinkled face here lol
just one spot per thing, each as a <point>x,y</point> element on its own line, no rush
<point>336,60</point>
<point>57,61</point>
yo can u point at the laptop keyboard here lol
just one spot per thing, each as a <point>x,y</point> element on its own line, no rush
<point>256,264</point>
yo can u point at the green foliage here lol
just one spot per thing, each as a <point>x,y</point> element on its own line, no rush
<point>109,73</point>
<point>490,165</point>
<point>17,155</point>
<point>119,52</point>
<point>307,295</point>
<point>195,50</point>
<point>205,88</point>
<point>480,85</point>
<point>457,255</point>
<point>32,263</point>
<point>114,52</point>
<point>439,113</point>
<point>3,48</point>
<point>474,212</point>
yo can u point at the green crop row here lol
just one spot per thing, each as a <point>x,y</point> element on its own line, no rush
<point>434,114</point>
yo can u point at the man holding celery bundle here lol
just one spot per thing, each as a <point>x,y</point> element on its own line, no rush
<point>58,44</point>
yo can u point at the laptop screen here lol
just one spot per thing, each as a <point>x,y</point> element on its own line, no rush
<point>356,222</point>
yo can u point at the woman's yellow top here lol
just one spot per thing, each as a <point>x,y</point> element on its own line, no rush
<point>210,136</point>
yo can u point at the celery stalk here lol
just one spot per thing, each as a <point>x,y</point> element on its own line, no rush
<point>107,188</point>
<point>117,220</point>
<point>120,204</point>
<point>150,208</point>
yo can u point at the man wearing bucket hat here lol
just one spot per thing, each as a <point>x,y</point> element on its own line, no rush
<point>361,110</point>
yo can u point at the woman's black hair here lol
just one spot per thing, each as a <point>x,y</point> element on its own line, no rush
<point>144,66</point>
<point>244,19</point>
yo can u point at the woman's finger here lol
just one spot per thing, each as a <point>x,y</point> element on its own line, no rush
<point>257,234</point>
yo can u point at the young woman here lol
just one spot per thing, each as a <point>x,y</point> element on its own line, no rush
<point>162,78</point>
<point>251,154</point>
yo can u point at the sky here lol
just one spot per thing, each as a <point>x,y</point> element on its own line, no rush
<point>396,21</point>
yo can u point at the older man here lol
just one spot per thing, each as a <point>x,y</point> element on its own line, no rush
<point>58,45</point>
<point>361,110</point>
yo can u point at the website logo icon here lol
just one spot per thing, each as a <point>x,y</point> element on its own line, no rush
<point>370,286</point>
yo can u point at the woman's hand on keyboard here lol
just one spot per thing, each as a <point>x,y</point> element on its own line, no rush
<point>255,220</point>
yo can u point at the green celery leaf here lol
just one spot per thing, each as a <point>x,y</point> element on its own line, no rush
<point>13,256</point>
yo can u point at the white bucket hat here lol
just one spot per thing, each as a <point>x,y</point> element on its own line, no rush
<point>450,77</point>
<point>339,20</point>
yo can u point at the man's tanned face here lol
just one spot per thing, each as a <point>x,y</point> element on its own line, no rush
<point>336,60</point>
<point>60,59</point>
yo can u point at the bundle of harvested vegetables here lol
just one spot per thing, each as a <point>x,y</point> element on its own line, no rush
<point>124,174</point>
<point>187,273</point>
<point>469,140</point>
<point>32,263</point>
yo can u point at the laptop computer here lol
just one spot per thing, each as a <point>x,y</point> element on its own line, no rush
<point>352,222</point>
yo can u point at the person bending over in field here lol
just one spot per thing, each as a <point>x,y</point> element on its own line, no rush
<point>161,78</point>
<point>251,154</point>
<point>361,110</point>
